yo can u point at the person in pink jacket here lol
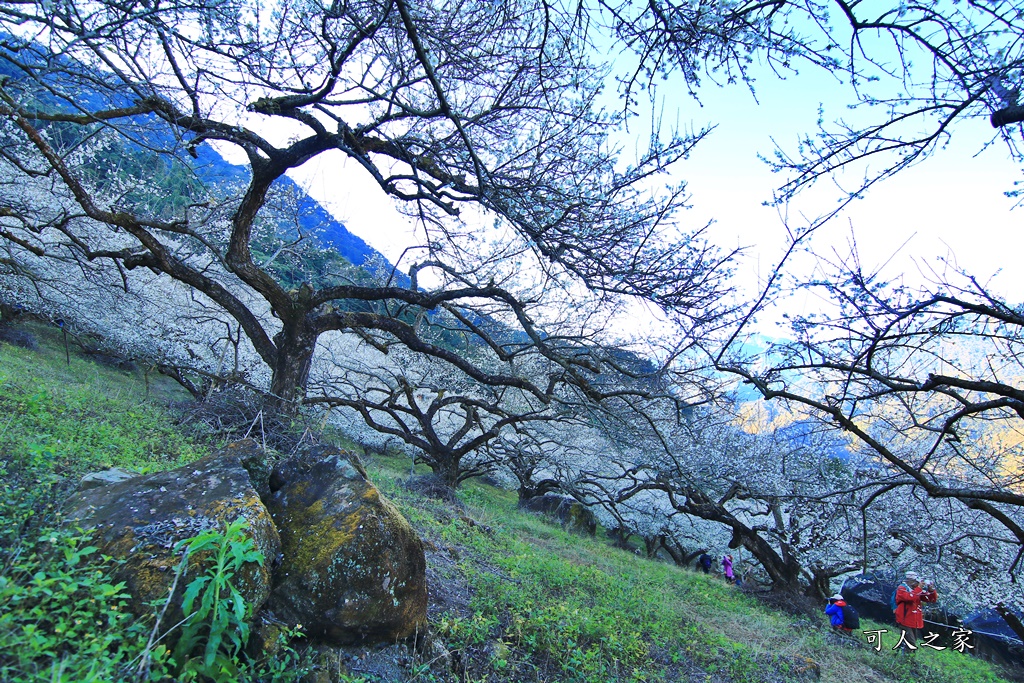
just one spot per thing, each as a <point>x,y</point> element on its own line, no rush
<point>909,596</point>
<point>727,568</point>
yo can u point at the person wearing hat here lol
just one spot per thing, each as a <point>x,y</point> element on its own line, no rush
<point>909,616</point>
<point>835,612</point>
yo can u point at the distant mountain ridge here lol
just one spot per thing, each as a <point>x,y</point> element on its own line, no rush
<point>212,169</point>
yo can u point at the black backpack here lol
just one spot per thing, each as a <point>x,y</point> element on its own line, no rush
<point>851,619</point>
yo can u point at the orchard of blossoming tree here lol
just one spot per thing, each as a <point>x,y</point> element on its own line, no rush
<point>505,133</point>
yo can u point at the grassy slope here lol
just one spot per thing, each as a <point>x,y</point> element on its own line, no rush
<point>520,599</point>
<point>569,608</point>
<point>85,415</point>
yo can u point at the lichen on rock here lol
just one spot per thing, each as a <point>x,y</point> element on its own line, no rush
<point>352,568</point>
<point>140,521</point>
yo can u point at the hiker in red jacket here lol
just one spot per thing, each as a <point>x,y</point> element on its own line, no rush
<point>909,616</point>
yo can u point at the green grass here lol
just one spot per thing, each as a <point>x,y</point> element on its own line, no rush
<point>541,605</point>
<point>60,421</point>
<point>550,606</point>
<point>86,416</point>
<point>61,616</point>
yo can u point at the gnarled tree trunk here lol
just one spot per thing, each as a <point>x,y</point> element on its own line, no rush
<point>295,346</point>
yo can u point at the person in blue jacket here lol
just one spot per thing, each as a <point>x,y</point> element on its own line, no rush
<point>835,612</point>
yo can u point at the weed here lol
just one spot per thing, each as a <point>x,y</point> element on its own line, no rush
<point>62,618</point>
<point>349,678</point>
<point>217,615</point>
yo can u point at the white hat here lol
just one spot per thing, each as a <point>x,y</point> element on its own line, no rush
<point>837,596</point>
<point>912,576</point>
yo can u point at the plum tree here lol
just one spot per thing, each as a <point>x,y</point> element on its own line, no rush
<point>442,105</point>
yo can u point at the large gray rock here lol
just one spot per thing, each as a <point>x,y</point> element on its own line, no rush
<point>140,520</point>
<point>352,569</point>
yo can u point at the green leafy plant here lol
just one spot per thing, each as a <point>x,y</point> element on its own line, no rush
<point>62,616</point>
<point>348,678</point>
<point>285,665</point>
<point>217,615</point>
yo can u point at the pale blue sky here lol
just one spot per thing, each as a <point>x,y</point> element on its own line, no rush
<point>953,202</point>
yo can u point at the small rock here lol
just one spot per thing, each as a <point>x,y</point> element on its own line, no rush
<point>114,475</point>
<point>573,515</point>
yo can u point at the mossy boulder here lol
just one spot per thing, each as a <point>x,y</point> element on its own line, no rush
<point>352,569</point>
<point>139,521</point>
